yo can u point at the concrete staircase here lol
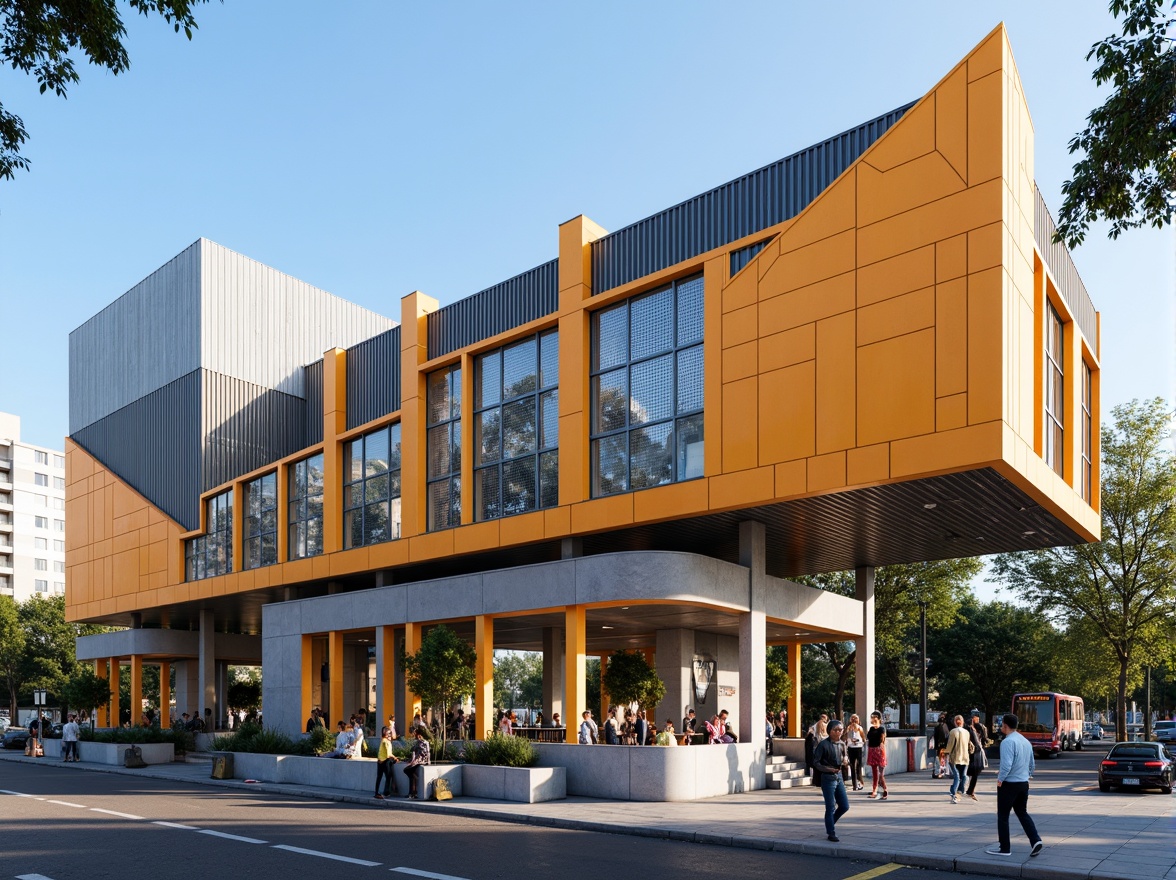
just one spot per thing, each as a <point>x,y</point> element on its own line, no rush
<point>783,772</point>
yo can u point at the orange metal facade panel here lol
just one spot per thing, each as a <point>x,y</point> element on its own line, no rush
<point>988,56</point>
<point>951,258</point>
<point>787,408</point>
<point>867,464</point>
<point>815,262</point>
<point>984,248</point>
<point>787,348</point>
<point>735,490</point>
<point>431,545</point>
<point>557,522</point>
<point>836,384</point>
<point>739,326</point>
<point>896,388</point>
<point>911,137</point>
<point>946,451</point>
<point>985,346</point>
<point>672,501</point>
<point>741,411</point>
<point>740,361</point>
<point>602,513</point>
<point>884,194</point>
<point>951,412</point>
<point>951,120</point>
<point>834,212</point>
<point>822,299</point>
<point>526,528</point>
<point>951,337</point>
<point>901,274</point>
<point>826,472</point>
<point>743,289</point>
<point>985,140</point>
<point>791,478</point>
<point>896,316</point>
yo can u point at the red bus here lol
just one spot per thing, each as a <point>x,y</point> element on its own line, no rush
<point>1051,722</point>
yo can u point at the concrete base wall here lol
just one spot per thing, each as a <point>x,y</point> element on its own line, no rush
<point>527,785</point>
<point>112,753</point>
<point>657,773</point>
<point>896,752</point>
<point>352,774</point>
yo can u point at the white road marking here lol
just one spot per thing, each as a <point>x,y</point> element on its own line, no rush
<point>230,836</point>
<point>68,804</point>
<point>315,852</point>
<point>32,877</point>
<point>13,793</point>
<point>115,813</point>
<point>177,825</point>
<point>415,873</point>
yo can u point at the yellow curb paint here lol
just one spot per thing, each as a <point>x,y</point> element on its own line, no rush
<point>876,872</point>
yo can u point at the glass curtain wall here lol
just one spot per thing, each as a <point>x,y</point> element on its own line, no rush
<point>261,521</point>
<point>516,428</point>
<point>1052,450</point>
<point>211,554</point>
<point>647,394</point>
<point>444,448</point>
<point>305,508</point>
<point>371,494</point>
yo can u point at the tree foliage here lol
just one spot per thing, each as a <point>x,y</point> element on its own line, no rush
<point>518,679</point>
<point>441,672</point>
<point>630,679</point>
<point>1124,586</point>
<point>43,39</point>
<point>994,650</point>
<point>1127,170</point>
<point>85,691</point>
<point>12,650</point>
<point>244,695</point>
<point>777,686</point>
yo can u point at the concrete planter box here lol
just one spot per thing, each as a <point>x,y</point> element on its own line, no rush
<point>658,773</point>
<point>527,785</point>
<point>352,774</point>
<point>112,753</point>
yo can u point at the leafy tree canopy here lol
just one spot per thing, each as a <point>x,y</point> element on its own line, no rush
<point>518,679</point>
<point>1127,170</point>
<point>84,690</point>
<point>441,672</point>
<point>1123,586</point>
<point>629,679</point>
<point>43,39</point>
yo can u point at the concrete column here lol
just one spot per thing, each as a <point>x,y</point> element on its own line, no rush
<point>675,660</point>
<point>553,673</point>
<point>187,690</point>
<point>575,667</point>
<point>165,695</point>
<point>386,677</point>
<point>206,696</point>
<point>794,721</point>
<point>115,720</point>
<point>136,690</point>
<point>412,644</point>
<point>335,667</point>
<point>753,634</point>
<point>863,669</point>
<point>484,675</point>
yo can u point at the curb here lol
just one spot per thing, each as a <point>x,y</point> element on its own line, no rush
<point>960,865</point>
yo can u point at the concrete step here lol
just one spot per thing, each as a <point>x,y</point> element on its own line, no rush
<point>789,782</point>
<point>792,773</point>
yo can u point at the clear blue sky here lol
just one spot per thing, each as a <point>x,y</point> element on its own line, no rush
<point>374,148</point>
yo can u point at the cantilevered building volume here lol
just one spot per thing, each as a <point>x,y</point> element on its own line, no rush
<point>867,353</point>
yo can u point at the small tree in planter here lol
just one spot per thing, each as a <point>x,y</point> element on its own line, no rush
<point>86,692</point>
<point>244,695</point>
<point>629,679</point>
<point>441,672</point>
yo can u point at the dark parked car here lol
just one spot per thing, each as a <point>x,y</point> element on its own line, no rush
<point>1137,765</point>
<point>15,738</point>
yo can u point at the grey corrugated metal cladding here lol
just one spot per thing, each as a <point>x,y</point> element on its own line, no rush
<point>373,379</point>
<point>314,402</point>
<point>1061,264</point>
<point>496,309</point>
<point>729,212</point>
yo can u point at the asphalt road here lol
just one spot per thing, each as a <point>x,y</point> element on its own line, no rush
<point>88,826</point>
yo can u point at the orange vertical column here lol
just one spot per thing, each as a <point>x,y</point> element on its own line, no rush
<point>794,728</point>
<point>386,676</point>
<point>334,424</point>
<point>484,674</point>
<point>307,662</point>
<point>102,715</point>
<point>575,289</point>
<point>414,351</point>
<point>283,513</point>
<point>136,689</point>
<point>412,644</point>
<point>575,668</point>
<point>114,689</point>
<point>467,439</point>
<point>165,695</point>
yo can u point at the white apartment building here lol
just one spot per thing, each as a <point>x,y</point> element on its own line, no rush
<point>32,515</point>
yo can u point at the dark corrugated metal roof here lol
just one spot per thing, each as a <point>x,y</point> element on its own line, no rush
<point>729,212</point>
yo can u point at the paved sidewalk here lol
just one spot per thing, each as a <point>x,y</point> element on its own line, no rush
<point>1118,836</point>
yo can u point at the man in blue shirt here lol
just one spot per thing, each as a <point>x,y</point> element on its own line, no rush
<point>1012,788</point>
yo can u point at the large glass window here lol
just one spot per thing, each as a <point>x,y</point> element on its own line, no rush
<point>1087,432</point>
<point>211,554</point>
<point>444,448</point>
<point>647,390</point>
<point>516,428</point>
<point>261,521</point>
<point>371,491</point>
<point>305,508</point>
<point>1054,390</point>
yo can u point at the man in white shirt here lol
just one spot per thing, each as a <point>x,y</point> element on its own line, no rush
<point>69,739</point>
<point>589,734</point>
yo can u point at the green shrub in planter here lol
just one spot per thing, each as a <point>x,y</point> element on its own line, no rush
<point>502,751</point>
<point>254,739</point>
<point>321,741</point>
<point>129,735</point>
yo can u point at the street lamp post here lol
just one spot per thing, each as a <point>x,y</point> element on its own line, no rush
<point>39,702</point>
